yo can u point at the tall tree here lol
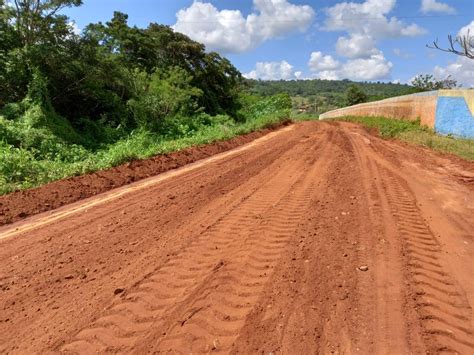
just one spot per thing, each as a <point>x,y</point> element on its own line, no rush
<point>37,19</point>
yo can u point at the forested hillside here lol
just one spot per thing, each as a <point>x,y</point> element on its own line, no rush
<point>72,103</point>
<point>317,96</point>
<point>307,88</point>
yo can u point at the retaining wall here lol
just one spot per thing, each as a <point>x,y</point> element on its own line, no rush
<point>446,111</point>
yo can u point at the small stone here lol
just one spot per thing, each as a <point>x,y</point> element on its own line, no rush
<point>363,268</point>
<point>118,291</point>
<point>69,277</point>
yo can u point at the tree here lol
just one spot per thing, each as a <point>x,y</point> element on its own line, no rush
<point>37,19</point>
<point>462,45</point>
<point>355,95</point>
<point>427,82</point>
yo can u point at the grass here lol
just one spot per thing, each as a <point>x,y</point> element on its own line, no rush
<point>413,132</point>
<point>23,167</point>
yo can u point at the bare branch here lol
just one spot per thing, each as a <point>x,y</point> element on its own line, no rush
<point>460,45</point>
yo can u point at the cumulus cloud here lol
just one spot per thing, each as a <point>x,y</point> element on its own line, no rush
<point>366,23</point>
<point>273,71</point>
<point>369,18</point>
<point>461,70</point>
<point>320,62</point>
<point>373,67</point>
<point>356,46</point>
<point>428,6</point>
<point>228,31</point>
<point>468,29</point>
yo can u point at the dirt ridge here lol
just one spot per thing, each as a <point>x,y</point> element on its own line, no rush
<point>21,204</point>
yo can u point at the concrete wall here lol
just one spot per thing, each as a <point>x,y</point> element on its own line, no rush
<point>446,111</point>
<point>454,113</point>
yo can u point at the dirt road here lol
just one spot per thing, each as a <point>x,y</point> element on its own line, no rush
<point>317,238</point>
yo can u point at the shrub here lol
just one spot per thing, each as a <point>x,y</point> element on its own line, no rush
<point>161,95</point>
<point>355,95</point>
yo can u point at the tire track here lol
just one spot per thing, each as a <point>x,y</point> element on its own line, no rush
<point>441,305</point>
<point>229,297</point>
<point>146,309</point>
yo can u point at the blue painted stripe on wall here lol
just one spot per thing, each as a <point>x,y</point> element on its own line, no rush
<point>454,117</point>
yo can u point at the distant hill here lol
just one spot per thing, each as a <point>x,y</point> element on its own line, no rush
<point>318,96</point>
<point>316,87</point>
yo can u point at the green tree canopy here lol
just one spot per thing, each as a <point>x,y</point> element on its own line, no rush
<point>355,95</point>
<point>427,82</point>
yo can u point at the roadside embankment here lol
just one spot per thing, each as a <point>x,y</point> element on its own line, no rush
<point>448,112</point>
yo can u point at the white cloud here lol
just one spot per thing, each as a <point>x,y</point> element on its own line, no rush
<point>328,75</point>
<point>356,46</point>
<point>369,18</point>
<point>428,6</point>
<point>320,62</point>
<point>228,31</point>
<point>375,67</point>
<point>461,70</point>
<point>468,29</point>
<point>298,75</point>
<point>366,23</point>
<point>273,71</point>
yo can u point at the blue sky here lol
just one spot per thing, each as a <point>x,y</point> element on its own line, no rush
<point>330,39</point>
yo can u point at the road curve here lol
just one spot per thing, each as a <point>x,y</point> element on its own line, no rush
<point>317,238</point>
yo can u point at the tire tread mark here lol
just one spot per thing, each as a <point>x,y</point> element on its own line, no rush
<point>430,282</point>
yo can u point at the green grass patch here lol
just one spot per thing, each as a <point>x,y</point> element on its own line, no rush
<point>413,132</point>
<point>24,166</point>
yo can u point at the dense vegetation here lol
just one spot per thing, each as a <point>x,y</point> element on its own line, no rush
<point>413,132</point>
<point>307,88</point>
<point>73,103</point>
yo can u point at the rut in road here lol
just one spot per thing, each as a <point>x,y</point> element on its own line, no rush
<point>200,300</point>
<point>437,300</point>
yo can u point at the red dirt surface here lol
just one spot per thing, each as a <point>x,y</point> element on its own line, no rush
<point>21,204</point>
<point>257,250</point>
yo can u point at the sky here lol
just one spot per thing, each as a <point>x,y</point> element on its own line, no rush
<point>371,40</point>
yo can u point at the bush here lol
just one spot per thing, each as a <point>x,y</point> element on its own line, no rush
<point>355,95</point>
<point>279,103</point>
<point>17,167</point>
<point>161,95</point>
